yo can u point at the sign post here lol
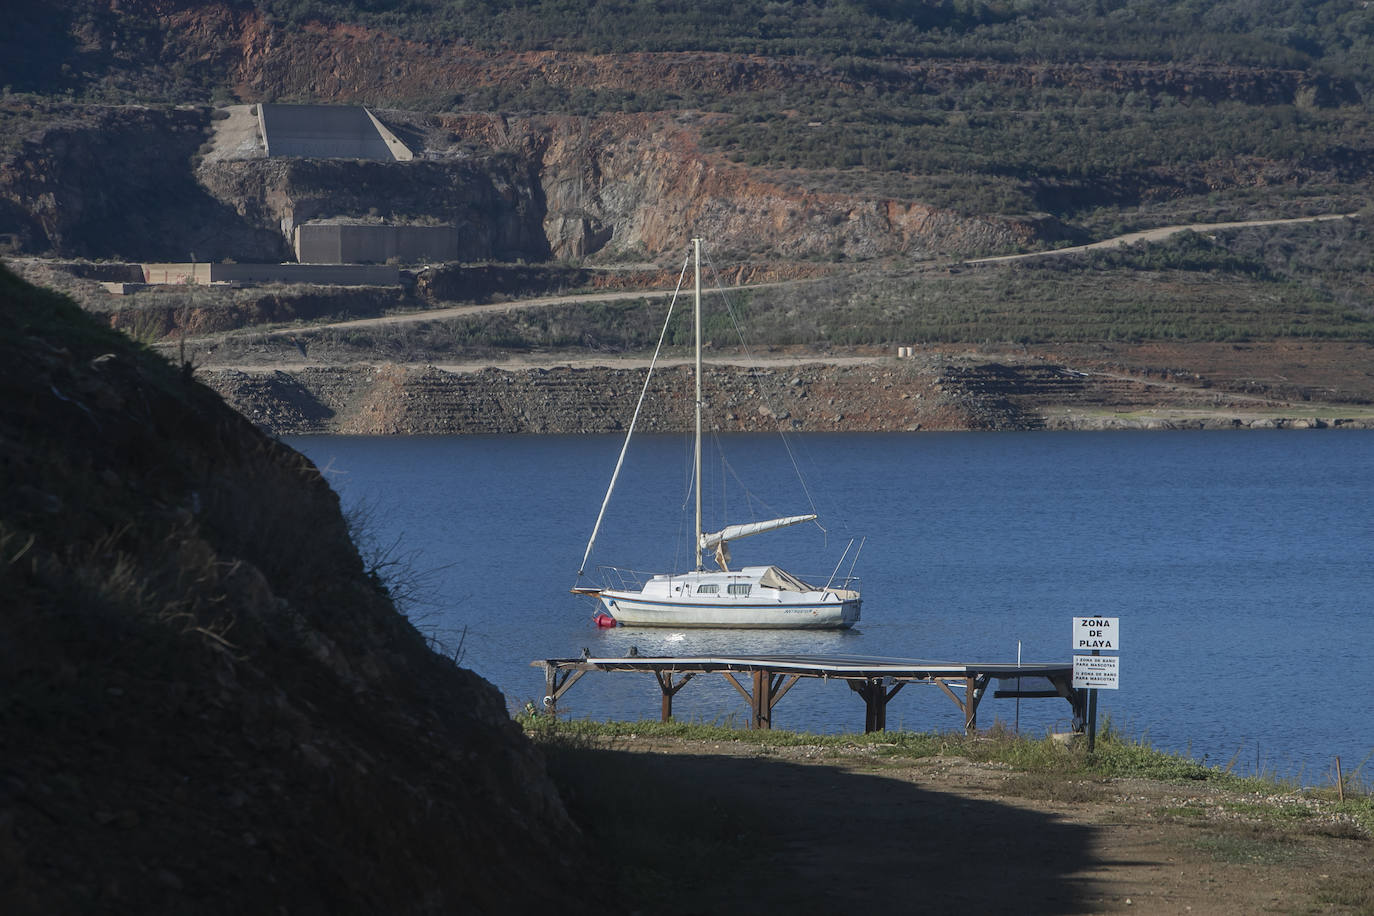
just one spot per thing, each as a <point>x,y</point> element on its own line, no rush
<point>1095,671</point>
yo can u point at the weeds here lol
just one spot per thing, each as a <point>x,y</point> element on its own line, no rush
<point>1352,890</point>
<point>392,566</point>
<point>1263,848</point>
<point>395,570</point>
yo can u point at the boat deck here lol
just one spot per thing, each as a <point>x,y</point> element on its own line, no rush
<point>876,680</point>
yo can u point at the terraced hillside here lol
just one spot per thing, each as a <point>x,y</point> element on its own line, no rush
<point>868,149</point>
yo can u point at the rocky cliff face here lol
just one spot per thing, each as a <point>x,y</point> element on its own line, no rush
<point>116,182</point>
<point>625,186</point>
<point>210,703</point>
<point>494,203</point>
<point>123,183</point>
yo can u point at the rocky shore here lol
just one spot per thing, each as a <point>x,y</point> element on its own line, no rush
<point>884,395</point>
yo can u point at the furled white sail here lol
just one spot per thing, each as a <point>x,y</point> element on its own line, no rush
<point>735,532</point>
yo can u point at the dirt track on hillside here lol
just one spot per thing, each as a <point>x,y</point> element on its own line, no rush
<point>514,305</point>
<point>1155,235</point>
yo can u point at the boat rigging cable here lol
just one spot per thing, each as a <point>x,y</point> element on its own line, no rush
<point>773,408</point>
<point>615,475</point>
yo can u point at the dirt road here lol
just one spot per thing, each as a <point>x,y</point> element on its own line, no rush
<point>853,830</point>
<point>1157,235</point>
<point>467,310</point>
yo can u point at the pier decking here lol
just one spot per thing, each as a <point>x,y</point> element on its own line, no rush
<point>876,680</point>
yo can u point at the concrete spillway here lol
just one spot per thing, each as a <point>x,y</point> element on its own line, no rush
<point>327,132</point>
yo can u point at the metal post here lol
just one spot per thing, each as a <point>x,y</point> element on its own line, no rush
<point>1092,715</point>
<point>550,691</point>
<point>696,319</point>
<point>970,706</point>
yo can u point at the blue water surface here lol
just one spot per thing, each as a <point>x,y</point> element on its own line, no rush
<point>1237,562</point>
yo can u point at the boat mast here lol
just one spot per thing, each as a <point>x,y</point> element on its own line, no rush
<point>696,317</point>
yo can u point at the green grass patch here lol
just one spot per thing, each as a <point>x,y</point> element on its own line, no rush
<point>1355,891</point>
<point>1115,756</point>
<point>1277,813</point>
<point>1240,849</point>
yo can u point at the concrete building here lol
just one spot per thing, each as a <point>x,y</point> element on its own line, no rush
<point>344,242</point>
<point>251,274</point>
<point>328,132</point>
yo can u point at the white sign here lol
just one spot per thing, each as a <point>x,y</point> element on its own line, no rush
<point>1096,671</point>
<point>1102,633</point>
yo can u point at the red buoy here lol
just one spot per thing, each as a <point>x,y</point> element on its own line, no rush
<point>604,620</point>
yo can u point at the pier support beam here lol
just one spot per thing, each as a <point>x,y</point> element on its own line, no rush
<point>763,700</point>
<point>973,695</point>
<point>556,683</point>
<point>768,689</point>
<point>670,689</point>
<point>876,695</point>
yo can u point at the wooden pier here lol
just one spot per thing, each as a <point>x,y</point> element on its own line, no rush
<point>876,680</point>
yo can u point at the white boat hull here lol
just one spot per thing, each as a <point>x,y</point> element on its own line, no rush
<point>631,610</point>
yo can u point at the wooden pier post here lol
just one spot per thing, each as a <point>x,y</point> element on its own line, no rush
<point>763,700</point>
<point>876,718</point>
<point>556,683</point>
<point>768,689</point>
<point>876,696</point>
<point>665,684</point>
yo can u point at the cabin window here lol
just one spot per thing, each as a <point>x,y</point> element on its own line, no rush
<point>708,589</point>
<point>740,588</point>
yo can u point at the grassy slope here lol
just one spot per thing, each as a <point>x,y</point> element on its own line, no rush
<point>200,681</point>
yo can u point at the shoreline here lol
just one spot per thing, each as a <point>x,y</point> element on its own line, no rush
<point>859,396</point>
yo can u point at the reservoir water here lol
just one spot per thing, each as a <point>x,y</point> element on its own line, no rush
<point>1238,563</point>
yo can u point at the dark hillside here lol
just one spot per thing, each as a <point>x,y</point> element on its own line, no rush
<point>207,702</point>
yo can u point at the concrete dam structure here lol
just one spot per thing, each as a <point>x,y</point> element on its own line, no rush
<point>344,242</point>
<point>328,132</point>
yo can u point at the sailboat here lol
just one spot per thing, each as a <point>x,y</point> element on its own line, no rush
<point>766,596</point>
